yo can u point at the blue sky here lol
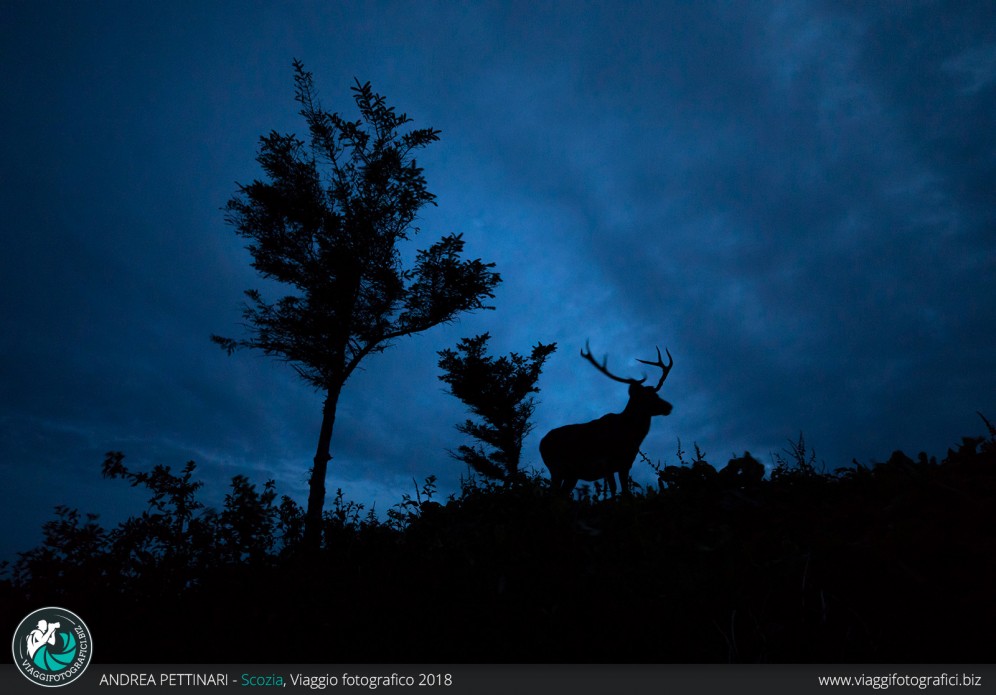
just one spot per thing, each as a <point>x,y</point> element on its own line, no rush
<point>797,199</point>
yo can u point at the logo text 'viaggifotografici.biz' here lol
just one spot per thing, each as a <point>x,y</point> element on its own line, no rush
<point>52,647</point>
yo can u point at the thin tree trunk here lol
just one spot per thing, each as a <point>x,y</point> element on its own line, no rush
<point>316,494</point>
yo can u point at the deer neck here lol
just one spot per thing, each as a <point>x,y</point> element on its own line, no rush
<point>636,415</point>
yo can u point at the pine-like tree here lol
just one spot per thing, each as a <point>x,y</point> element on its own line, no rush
<point>496,390</point>
<point>327,222</point>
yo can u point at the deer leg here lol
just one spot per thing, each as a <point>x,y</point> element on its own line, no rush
<point>610,481</point>
<point>569,485</point>
<point>623,482</point>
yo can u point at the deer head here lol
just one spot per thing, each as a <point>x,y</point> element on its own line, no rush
<point>602,448</point>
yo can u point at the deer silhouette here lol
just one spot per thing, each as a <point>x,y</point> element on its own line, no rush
<point>602,448</point>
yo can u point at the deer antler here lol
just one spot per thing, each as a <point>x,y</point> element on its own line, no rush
<point>665,368</point>
<point>604,369</point>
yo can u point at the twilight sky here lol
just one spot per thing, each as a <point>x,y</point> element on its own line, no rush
<point>797,199</point>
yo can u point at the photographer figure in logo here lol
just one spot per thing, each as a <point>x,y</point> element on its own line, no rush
<point>43,634</point>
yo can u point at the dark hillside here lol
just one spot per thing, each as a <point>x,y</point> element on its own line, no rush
<point>890,563</point>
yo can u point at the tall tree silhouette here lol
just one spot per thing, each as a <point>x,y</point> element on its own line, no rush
<point>327,222</point>
<point>497,391</point>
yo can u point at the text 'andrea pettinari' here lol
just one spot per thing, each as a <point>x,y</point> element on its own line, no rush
<point>167,679</point>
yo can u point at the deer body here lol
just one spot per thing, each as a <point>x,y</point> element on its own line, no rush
<point>606,447</point>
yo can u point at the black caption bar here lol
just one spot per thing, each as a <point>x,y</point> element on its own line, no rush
<point>518,679</point>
